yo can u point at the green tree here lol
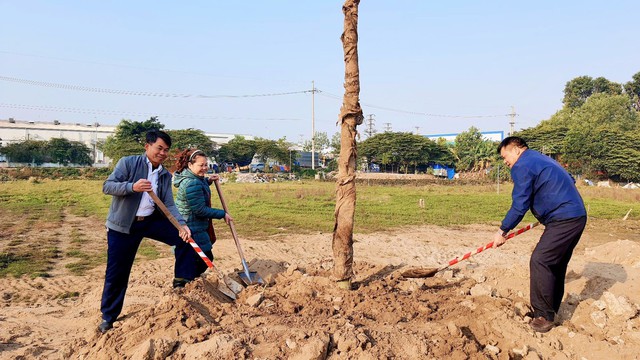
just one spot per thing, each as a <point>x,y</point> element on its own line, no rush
<point>65,152</point>
<point>632,89</point>
<point>602,85</point>
<point>275,150</point>
<point>472,151</point>
<point>334,144</point>
<point>129,138</point>
<point>322,142</point>
<point>191,138</point>
<point>549,136</point>
<point>238,151</point>
<point>79,154</point>
<point>588,142</point>
<point>28,151</point>
<point>57,149</point>
<point>400,149</point>
<point>578,90</point>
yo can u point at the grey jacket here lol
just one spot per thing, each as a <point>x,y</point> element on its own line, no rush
<point>125,201</point>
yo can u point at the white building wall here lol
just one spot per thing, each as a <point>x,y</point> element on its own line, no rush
<point>12,131</point>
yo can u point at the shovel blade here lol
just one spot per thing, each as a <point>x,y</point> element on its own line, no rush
<point>253,278</point>
<point>232,287</point>
<point>227,291</point>
<point>420,272</point>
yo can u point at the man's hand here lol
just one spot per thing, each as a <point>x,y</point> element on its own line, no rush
<point>185,233</point>
<point>142,185</point>
<point>499,238</point>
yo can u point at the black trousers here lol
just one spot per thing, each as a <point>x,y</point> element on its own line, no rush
<point>548,265</point>
<point>121,252</point>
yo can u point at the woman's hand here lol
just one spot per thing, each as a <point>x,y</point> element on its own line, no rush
<point>227,218</point>
<point>213,178</point>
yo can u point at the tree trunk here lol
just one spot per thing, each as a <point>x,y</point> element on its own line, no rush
<point>350,117</point>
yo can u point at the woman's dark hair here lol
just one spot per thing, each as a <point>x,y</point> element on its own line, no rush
<point>186,157</point>
<point>153,135</point>
<point>517,141</point>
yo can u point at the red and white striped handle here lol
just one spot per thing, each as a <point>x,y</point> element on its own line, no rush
<point>490,245</point>
<point>204,257</point>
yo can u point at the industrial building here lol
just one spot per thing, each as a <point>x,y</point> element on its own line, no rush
<point>90,134</point>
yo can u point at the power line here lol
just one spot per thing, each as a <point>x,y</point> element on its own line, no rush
<point>415,112</point>
<point>178,95</point>
<point>137,93</point>
<point>134,114</point>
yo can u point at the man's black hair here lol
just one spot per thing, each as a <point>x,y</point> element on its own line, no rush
<point>516,141</point>
<point>153,135</point>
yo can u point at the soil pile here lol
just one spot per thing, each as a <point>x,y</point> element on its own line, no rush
<point>477,310</point>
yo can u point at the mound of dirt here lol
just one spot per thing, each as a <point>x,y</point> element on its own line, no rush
<point>477,309</point>
<point>301,314</point>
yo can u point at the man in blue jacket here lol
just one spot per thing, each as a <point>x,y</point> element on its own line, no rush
<point>541,185</point>
<point>133,216</point>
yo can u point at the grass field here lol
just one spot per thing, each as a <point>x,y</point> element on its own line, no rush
<point>261,210</point>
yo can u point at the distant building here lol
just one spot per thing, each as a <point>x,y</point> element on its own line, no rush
<point>12,131</point>
<point>451,138</point>
<point>221,139</point>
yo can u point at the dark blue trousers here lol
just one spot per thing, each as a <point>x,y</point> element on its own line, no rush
<point>548,265</point>
<point>122,250</point>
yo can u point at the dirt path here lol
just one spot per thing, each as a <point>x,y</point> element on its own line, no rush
<point>477,310</point>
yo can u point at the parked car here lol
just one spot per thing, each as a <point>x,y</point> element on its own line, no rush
<point>259,167</point>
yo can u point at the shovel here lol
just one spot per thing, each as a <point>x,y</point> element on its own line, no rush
<point>429,272</point>
<point>226,285</point>
<point>248,277</point>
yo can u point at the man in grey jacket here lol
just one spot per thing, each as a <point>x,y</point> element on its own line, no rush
<point>133,216</point>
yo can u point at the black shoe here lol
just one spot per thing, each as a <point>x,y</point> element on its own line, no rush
<point>105,326</point>
<point>179,282</point>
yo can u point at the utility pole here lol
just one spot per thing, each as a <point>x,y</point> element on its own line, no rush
<point>513,121</point>
<point>313,126</point>
<point>370,130</point>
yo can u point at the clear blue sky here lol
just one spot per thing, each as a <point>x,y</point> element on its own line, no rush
<point>462,59</point>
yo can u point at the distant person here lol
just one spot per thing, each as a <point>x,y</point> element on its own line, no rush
<point>546,188</point>
<point>194,203</point>
<point>133,216</point>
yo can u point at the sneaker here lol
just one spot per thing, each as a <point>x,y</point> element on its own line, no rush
<point>105,326</point>
<point>540,324</point>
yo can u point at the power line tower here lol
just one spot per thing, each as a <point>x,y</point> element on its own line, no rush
<point>513,121</point>
<point>417,130</point>
<point>387,127</point>
<point>370,129</point>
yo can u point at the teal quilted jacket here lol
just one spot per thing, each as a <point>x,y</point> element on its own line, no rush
<point>193,202</point>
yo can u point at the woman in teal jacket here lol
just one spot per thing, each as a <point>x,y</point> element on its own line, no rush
<point>194,203</point>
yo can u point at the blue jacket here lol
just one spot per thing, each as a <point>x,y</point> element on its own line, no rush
<point>125,201</point>
<point>545,187</point>
<point>193,202</point>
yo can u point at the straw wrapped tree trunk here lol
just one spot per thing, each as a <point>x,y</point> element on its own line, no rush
<point>350,117</point>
